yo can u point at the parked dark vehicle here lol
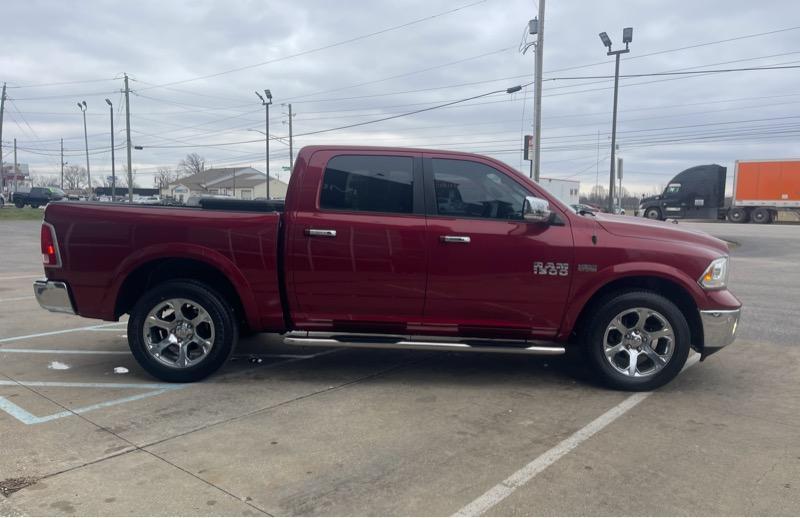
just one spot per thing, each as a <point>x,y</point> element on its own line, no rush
<point>37,197</point>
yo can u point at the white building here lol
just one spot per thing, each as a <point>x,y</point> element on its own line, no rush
<point>568,191</point>
<point>244,183</point>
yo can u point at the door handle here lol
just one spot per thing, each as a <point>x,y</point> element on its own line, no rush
<point>454,239</point>
<point>318,232</point>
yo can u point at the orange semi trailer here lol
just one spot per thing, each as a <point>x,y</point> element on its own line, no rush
<point>761,189</point>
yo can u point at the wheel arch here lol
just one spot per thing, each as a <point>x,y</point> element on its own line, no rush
<point>668,288</point>
<point>154,271</point>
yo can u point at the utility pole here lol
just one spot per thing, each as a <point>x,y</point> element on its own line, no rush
<point>266,102</point>
<point>619,175</point>
<point>128,138</point>
<point>62,164</point>
<point>535,26</point>
<point>15,164</point>
<point>82,108</point>
<point>537,124</point>
<point>627,37</point>
<point>2,112</point>
<point>597,164</point>
<point>291,149</point>
<point>113,170</point>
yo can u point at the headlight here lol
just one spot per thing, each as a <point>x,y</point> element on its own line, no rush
<point>716,275</point>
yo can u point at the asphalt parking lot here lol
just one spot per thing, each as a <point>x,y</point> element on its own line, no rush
<point>286,431</point>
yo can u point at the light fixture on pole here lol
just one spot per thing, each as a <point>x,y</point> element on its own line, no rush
<point>627,38</point>
<point>113,167</point>
<point>266,102</point>
<point>82,107</point>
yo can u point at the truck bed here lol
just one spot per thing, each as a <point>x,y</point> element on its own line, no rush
<point>101,244</point>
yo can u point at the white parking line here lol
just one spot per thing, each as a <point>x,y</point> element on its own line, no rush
<point>62,331</point>
<point>57,351</point>
<point>29,276</point>
<point>77,384</point>
<point>13,299</point>
<point>524,475</point>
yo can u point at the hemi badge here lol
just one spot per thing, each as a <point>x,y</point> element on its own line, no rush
<point>587,267</point>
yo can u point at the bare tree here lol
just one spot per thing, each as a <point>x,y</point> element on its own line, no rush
<point>163,177</point>
<point>122,180</point>
<point>191,164</point>
<point>40,180</point>
<point>74,177</point>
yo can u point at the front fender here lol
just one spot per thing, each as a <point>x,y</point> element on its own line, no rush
<point>591,283</point>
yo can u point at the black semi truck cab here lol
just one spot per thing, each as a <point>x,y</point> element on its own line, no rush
<point>697,193</point>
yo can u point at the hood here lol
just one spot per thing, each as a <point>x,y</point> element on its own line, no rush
<point>643,228</point>
<point>648,199</point>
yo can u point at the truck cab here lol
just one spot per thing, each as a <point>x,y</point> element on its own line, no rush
<point>697,192</point>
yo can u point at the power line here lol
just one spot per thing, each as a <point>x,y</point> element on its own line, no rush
<point>318,49</point>
<point>363,123</point>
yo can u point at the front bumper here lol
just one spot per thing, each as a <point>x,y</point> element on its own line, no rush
<point>53,296</point>
<point>719,328</point>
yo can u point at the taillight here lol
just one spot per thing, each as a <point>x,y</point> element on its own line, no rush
<point>50,255</point>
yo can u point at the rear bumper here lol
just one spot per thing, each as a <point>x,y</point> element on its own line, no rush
<point>53,296</point>
<point>719,328</point>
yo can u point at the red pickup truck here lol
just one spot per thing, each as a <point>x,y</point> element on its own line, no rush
<point>394,248</point>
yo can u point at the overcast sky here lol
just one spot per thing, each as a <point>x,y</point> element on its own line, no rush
<point>182,57</point>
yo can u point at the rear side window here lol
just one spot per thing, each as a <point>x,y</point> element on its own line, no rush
<point>368,184</point>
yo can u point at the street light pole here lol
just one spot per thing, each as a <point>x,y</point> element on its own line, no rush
<point>266,102</point>
<point>113,170</point>
<point>291,143</point>
<point>82,107</point>
<point>627,37</point>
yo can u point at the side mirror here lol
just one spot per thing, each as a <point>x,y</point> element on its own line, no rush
<point>536,210</point>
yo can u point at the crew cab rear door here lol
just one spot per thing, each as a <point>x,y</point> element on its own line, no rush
<point>491,273</point>
<point>356,251</point>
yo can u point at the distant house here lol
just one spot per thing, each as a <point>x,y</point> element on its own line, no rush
<point>244,183</point>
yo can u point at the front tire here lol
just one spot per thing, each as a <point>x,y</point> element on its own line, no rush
<point>19,204</point>
<point>637,341</point>
<point>652,213</point>
<point>182,331</point>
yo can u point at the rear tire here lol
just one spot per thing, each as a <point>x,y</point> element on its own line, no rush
<point>652,213</point>
<point>641,327</point>
<point>738,215</point>
<point>34,205</point>
<point>182,331</point>
<point>761,215</point>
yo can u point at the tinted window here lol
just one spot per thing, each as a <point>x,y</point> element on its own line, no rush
<point>368,183</point>
<point>474,190</point>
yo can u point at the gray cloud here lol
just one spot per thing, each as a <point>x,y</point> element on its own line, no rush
<point>665,125</point>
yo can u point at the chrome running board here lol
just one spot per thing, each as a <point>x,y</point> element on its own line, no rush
<point>420,343</point>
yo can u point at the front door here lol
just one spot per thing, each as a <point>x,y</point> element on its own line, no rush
<point>491,273</point>
<point>357,254</point>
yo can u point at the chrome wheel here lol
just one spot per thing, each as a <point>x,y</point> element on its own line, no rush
<point>638,342</point>
<point>178,333</point>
